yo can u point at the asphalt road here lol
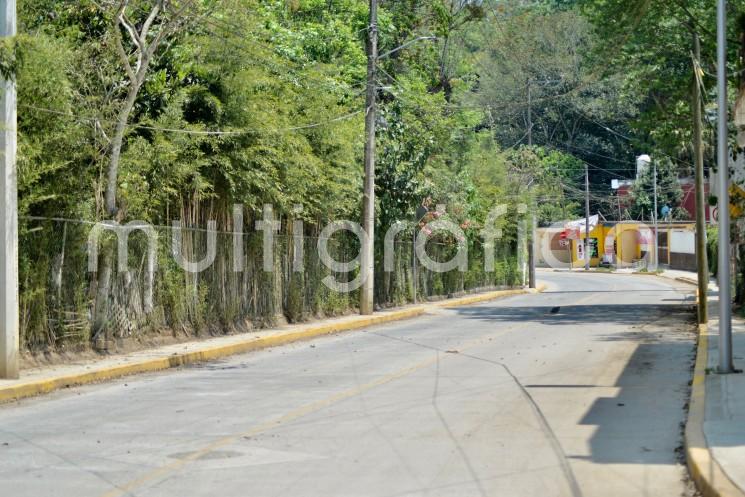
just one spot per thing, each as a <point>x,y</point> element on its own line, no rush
<point>577,391</point>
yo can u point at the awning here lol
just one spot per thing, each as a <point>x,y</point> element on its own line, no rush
<point>574,229</point>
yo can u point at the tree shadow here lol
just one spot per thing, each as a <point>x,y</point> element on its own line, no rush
<point>641,424</point>
<point>631,314</point>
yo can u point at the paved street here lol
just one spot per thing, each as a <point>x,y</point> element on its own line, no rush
<point>580,390</point>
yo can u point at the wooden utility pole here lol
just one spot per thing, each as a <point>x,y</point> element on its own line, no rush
<point>530,115</point>
<point>587,218</point>
<point>698,156</point>
<point>654,220</point>
<point>9,323</point>
<point>367,293</point>
<point>531,224</point>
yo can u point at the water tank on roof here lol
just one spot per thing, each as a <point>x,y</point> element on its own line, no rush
<point>642,163</point>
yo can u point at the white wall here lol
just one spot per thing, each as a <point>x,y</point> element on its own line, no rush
<point>682,242</point>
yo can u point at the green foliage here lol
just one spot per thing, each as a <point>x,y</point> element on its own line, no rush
<point>650,42</point>
<point>540,83</point>
<point>669,192</point>
<point>258,102</point>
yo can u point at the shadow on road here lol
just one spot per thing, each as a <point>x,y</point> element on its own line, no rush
<point>581,314</point>
<point>640,424</point>
<point>634,427</point>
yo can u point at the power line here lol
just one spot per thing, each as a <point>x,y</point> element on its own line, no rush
<point>623,136</point>
<point>200,132</point>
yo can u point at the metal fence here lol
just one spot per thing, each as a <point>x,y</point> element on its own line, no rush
<point>65,305</point>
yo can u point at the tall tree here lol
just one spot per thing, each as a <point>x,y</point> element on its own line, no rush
<point>152,28</point>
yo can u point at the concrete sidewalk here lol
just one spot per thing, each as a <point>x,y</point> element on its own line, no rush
<point>715,431</point>
<point>42,380</point>
<point>686,276</point>
<point>671,274</point>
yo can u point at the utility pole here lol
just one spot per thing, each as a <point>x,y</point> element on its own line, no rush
<point>702,261</point>
<point>530,115</point>
<point>531,251</point>
<point>587,218</point>
<point>367,256</point>
<point>421,211</point>
<point>414,275</point>
<point>8,211</point>
<point>531,227</point>
<point>725,290</point>
<point>654,219</point>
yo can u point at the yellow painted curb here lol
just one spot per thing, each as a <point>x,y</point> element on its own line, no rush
<point>36,387</point>
<point>710,478</point>
<point>683,279</point>
<point>41,386</point>
<point>475,299</point>
<point>485,297</point>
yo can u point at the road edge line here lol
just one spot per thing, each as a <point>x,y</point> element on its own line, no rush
<point>709,477</point>
<point>33,388</point>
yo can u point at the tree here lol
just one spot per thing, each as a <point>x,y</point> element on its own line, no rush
<point>539,83</point>
<point>669,192</point>
<point>153,28</point>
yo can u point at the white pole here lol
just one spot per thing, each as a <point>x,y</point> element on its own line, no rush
<point>8,211</point>
<point>367,251</point>
<point>587,218</point>
<point>725,297</point>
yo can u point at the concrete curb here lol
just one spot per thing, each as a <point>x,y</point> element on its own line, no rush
<point>710,478</point>
<point>14,392</point>
<point>690,281</point>
<point>681,279</point>
<point>250,343</point>
<point>595,271</point>
<point>475,299</point>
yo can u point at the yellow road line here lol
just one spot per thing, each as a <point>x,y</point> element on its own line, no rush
<point>293,415</point>
<point>301,411</point>
<point>268,425</point>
